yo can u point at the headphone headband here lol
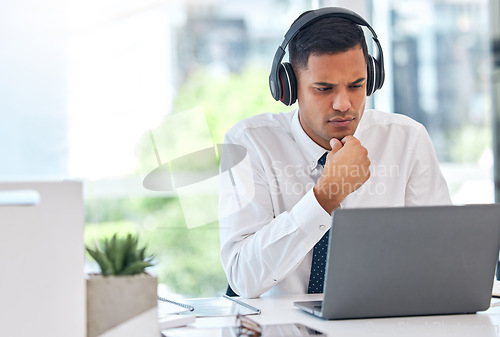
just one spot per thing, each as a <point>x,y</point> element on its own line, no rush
<point>317,14</point>
<point>306,20</point>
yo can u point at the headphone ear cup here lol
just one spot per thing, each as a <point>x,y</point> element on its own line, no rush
<point>370,76</point>
<point>288,83</point>
<point>379,74</point>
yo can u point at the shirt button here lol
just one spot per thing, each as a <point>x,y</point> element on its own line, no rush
<point>321,227</point>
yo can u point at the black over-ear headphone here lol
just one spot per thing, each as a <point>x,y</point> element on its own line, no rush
<point>282,79</point>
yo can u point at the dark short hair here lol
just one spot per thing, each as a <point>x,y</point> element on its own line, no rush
<point>328,35</point>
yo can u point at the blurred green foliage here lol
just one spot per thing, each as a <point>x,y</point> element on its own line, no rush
<point>188,259</point>
<point>227,99</point>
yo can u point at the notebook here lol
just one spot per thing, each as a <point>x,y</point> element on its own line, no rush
<point>206,307</point>
<point>411,261</point>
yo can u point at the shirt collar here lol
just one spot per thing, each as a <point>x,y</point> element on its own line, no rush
<point>361,125</point>
<point>311,150</point>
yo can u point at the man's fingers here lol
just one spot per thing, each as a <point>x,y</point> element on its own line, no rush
<point>335,144</point>
<point>347,139</point>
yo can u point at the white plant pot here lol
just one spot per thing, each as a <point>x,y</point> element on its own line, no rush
<point>113,300</point>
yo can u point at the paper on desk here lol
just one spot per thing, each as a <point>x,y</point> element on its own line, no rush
<point>208,307</point>
<point>496,288</point>
<point>219,306</point>
<point>169,308</point>
<point>205,332</point>
<point>175,321</point>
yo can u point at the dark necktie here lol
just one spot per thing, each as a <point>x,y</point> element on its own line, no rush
<point>317,277</point>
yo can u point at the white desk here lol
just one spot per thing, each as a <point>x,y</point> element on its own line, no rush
<point>276,310</point>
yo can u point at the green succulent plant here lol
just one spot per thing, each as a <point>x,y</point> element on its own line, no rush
<point>121,256</point>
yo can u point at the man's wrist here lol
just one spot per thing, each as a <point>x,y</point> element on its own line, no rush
<point>326,198</point>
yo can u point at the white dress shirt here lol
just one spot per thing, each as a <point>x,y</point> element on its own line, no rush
<point>269,217</point>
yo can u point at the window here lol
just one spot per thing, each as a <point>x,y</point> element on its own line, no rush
<point>97,91</point>
<point>438,65</point>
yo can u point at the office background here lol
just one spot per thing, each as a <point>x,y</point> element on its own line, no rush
<point>82,83</point>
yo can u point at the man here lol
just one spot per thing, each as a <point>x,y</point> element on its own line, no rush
<point>277,205</point>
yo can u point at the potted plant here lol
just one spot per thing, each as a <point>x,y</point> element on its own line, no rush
<point>123,289</point>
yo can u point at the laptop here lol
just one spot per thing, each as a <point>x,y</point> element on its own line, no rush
<point>386,262</point>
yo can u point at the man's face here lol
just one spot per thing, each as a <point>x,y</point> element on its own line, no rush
<point>332,95</point>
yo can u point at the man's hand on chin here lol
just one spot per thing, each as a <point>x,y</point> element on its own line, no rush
<point>347,168</point>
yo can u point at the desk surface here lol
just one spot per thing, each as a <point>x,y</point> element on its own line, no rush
<point>277,310</point>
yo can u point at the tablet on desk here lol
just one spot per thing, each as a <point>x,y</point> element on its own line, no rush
<point>273,330</point>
